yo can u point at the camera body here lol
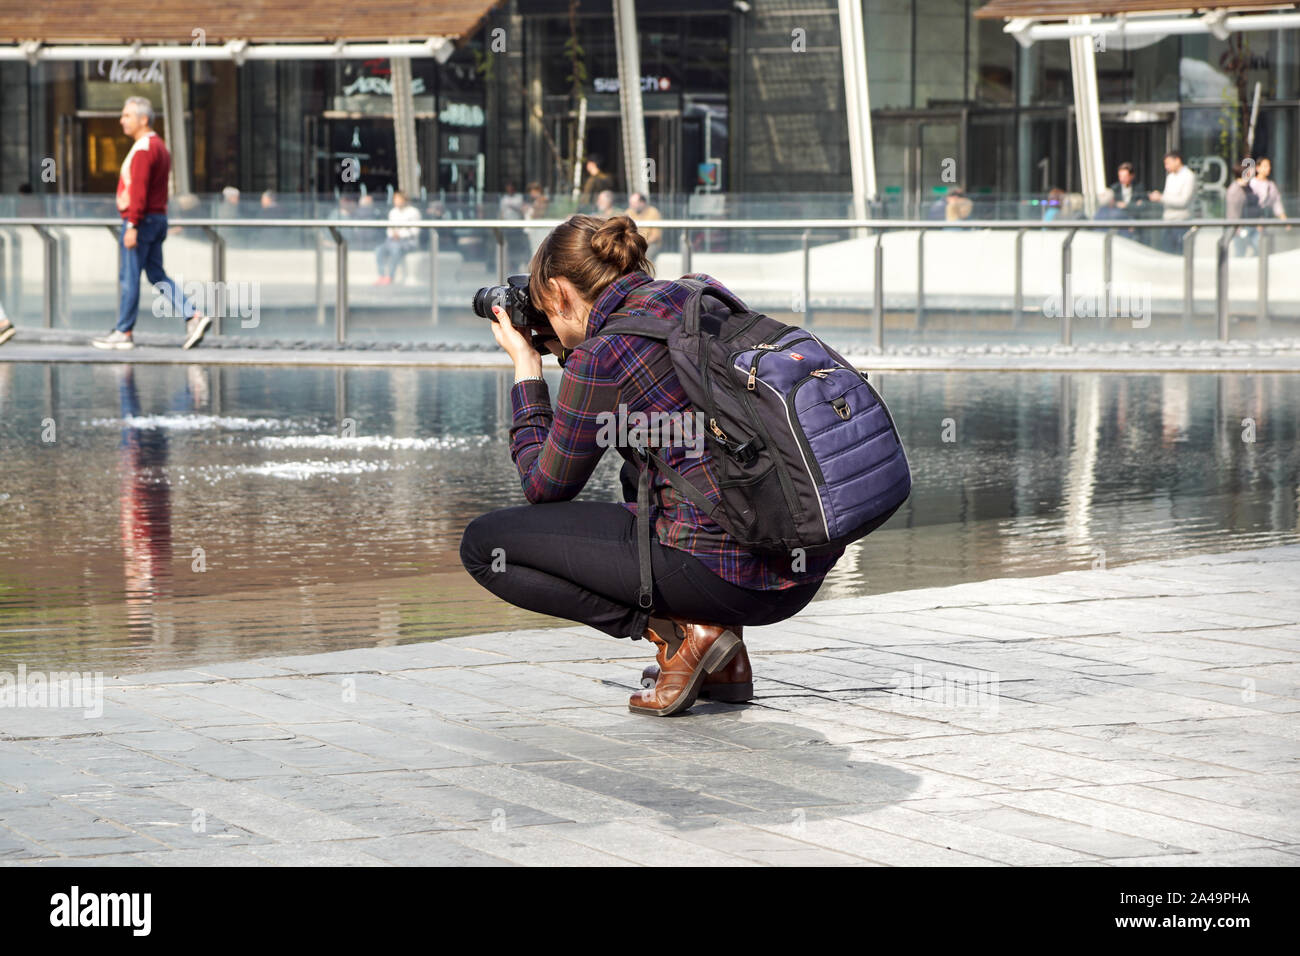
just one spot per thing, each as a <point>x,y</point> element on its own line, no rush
<point>513,298</point>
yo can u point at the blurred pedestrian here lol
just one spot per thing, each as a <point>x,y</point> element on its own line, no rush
<point>1054,205</point>
<point>536,206</point>
<point>229,206</point>
<point>1176,197</point>
<point>640,211</point>
<point>142,202</point>
<point>605,204</point>
<point>597,182</point>
<point>401,239</point>
<point>366,212</point>
<point>1108,208</point>
<point>511,206</point>
<point>1242,202</point>
<point>1270,197</point>
<point>1130,194</point>
<point>957,205</point>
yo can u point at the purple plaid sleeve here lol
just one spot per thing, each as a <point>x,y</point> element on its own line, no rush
<point>556,449</point>
<point>556,452</point>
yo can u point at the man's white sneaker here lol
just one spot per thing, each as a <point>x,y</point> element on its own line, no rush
<point>114,340</point>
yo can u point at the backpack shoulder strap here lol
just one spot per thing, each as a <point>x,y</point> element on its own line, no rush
<point>642,324</point>
<point>691,311</point>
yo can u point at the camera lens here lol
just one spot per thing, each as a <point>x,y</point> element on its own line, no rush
<point>487,297</point>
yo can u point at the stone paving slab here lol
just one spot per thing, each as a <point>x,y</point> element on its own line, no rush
<point>1137,716</point>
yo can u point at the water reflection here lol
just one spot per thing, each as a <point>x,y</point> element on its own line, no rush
<point>327,504</point>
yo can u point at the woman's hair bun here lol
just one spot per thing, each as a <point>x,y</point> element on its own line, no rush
<point>617,242</point>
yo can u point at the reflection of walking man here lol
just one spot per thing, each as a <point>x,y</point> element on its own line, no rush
<point>142,201</point>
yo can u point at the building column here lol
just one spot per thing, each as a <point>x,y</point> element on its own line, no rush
<point>857,105</point>
<point>408,175</point>
<point>629,96</point>
<point>174,127</point>
<point>1087,117</point>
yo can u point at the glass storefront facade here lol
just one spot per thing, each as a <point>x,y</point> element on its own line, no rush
<point>746,102</point>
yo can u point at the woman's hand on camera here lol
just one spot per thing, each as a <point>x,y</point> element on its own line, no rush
<point>549,342</point>
<point>527,362</point>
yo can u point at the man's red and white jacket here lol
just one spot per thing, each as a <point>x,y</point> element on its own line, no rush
<point>142,186</point>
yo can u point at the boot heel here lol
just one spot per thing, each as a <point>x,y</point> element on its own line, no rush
<point>721,652</point>
<point>729,693</point>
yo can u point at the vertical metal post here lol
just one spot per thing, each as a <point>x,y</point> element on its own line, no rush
<point>217,308</point>
<point>1067,301</point>
<point>878,294</point>
<point>1221,283</point>
<point>15,297</point>
<point>320,279</point>
<point>1189,277</point>
<point>920,278</point>
<point>1018,302</point>
<point>805,247</point>
<point>501,255</point>
<point>341,284</point>
<point>1108,265</point>
<point>433,275</point>
<point>1262,321</point>
<point>51,274</point>
<point>117,239</point>
<point>686,252</point>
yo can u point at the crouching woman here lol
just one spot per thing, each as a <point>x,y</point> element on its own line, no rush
<point>578,560</point>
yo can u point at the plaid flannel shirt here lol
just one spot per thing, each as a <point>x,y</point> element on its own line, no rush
<point>556,451</point>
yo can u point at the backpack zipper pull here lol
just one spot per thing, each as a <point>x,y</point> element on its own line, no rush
<point>753,370</point>
<point>713,426</point>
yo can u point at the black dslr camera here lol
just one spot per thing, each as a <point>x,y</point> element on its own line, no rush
<point>513,297</point>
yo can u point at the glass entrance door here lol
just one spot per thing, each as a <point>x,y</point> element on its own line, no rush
<point>918,159</point>
<point>1140,137</point>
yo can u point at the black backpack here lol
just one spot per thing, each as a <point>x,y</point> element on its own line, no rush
<point>807,454</point>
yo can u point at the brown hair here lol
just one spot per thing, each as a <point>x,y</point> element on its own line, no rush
<point>590,252</point>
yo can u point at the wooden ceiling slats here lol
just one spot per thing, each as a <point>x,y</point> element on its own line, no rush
<point>126,21</point>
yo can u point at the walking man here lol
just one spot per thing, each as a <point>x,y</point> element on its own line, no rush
<point>142,202</point>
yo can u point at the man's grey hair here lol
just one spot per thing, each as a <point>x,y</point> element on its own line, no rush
<point>143,108</point>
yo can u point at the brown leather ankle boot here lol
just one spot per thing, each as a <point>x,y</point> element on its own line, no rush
<point>733,684</point>
<point>688,651</point>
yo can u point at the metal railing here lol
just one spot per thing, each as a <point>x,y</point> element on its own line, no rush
<point>805,228</point>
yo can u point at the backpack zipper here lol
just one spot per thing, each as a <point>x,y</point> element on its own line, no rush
<point>764,348</point>
<point>805,451</point>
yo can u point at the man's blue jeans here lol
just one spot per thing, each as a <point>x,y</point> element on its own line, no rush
<point>147,256</point>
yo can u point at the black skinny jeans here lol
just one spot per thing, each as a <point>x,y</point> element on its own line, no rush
<point>578,560</point>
